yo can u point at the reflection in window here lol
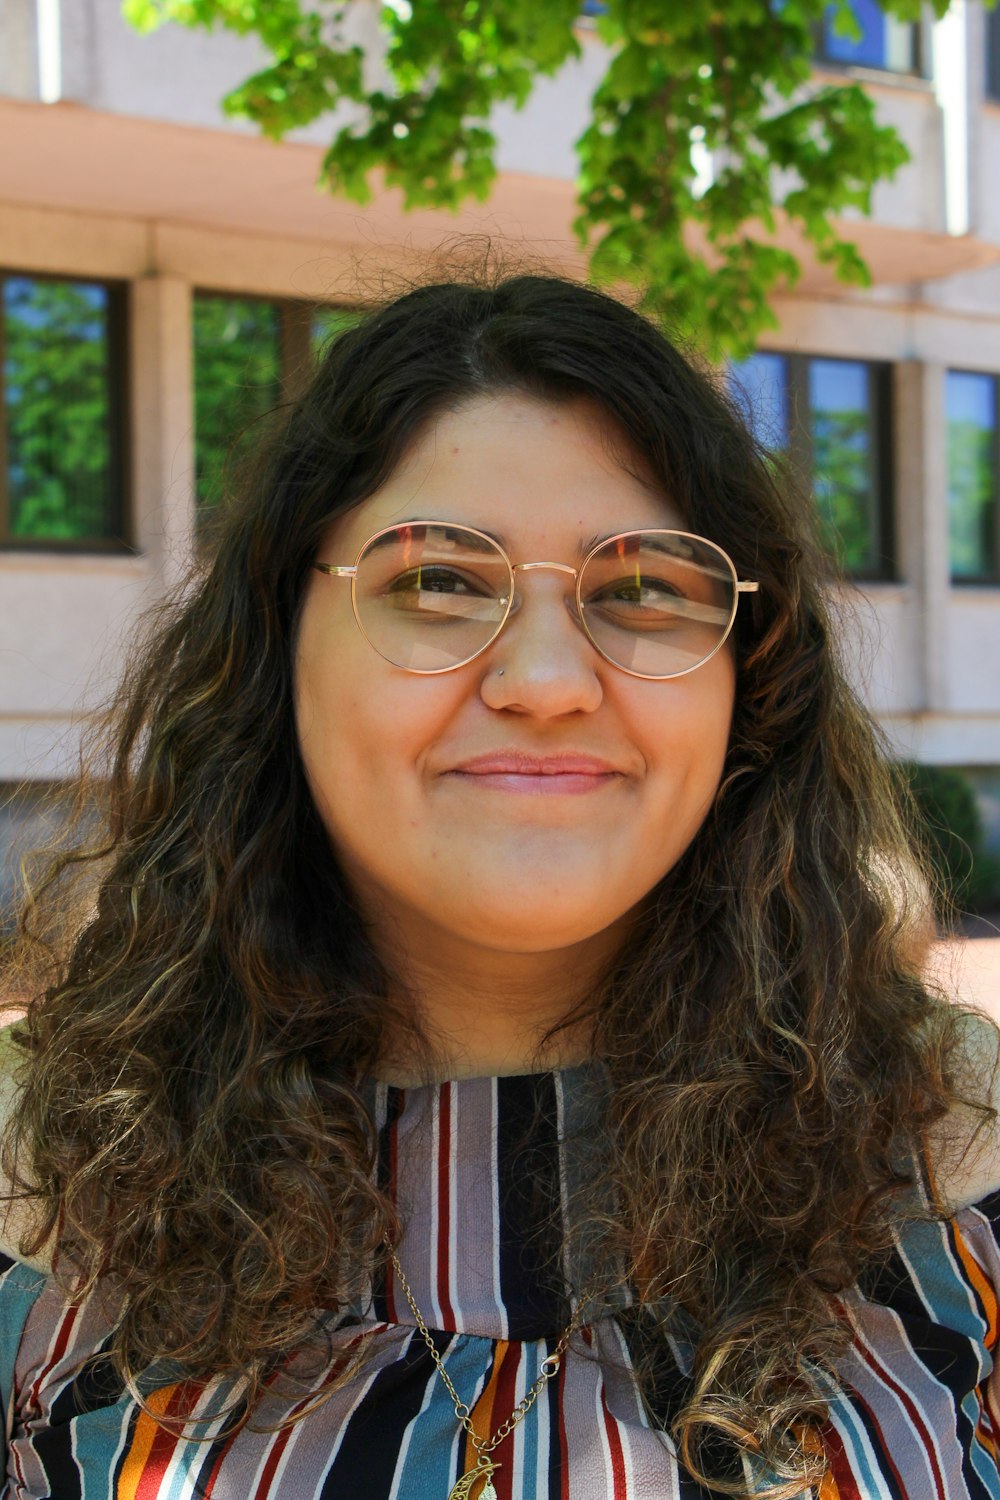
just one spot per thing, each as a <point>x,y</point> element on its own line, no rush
<point>840,407</point>
<point>992,19</point>
<point>329,322</point>
<point>881,41</point>
<point>971,408</point>
<point>237,378</point>
<point>829,414</point>
<point>60,412</point>
<point>761,390</point>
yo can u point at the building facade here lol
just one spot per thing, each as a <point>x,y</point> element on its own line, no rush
<point>166,275</point>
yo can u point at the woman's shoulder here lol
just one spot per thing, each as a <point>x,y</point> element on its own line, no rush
<point>963,1150</point>
<point>14,1211</point>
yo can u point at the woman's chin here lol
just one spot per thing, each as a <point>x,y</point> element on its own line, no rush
<point>539,924</point>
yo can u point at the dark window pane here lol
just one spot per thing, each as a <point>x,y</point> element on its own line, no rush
<point>970,403</point>
<point>993,53</point>
<point>328,322</point>
<point>237,377</point>
<point>58,410</point>
<point>760,385</point>
<point>844,478</point>
<point>883,41</point>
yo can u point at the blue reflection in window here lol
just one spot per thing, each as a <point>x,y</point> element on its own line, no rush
<point>884,41</point>
<point>970,398</point>
<point>971,411</point>
<point>993,53</point>
<point>843,474</point>
<point>58,407</point>
<point>868,50</point>
<point>760,386</point>
<point>838,385</point>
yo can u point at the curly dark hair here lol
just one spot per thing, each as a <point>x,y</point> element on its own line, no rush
<point>191,1122</point>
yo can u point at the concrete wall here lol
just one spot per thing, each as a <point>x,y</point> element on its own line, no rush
<point>18,50</point>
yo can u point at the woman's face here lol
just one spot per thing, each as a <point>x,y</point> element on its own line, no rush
<point>434,844</point>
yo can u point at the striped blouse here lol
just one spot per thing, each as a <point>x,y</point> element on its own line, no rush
<point>481,1170</point>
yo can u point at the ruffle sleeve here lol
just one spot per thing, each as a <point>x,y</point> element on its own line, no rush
<point>916,1381</point>
<point>20,1288</point>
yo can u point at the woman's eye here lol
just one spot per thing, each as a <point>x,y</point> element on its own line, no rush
<point>643,591</point>
<point>433,581</point>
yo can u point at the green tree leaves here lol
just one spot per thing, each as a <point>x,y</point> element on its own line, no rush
<point>237,379</point>
<point>57,394</point>
<point>707,130</point>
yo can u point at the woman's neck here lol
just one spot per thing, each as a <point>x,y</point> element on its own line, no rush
<point>480,1012</point>
<point>415,1066</point>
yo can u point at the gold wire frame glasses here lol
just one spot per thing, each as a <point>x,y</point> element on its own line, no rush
<point>431,596</point>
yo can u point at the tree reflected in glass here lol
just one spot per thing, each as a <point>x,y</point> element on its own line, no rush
<point>57,409</point>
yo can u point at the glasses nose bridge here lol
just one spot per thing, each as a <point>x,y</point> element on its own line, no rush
<point>529,567</point>
<point>557,567</point>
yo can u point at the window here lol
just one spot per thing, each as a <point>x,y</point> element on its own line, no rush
<point>831,416</point>
<point>62,412</point>
<point>973,532</point>
<point>992,19</point>
<point>880,41</point>
<point>237,378</point>
<point>249,354</point>
<point>328,322</point>
<point>761,386</point>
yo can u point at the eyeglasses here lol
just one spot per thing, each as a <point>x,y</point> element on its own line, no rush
<point>430,597</point>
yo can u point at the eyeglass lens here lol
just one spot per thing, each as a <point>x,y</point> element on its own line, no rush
<point>430,597</point>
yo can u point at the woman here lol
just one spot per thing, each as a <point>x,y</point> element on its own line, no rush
<point>493,1060</point>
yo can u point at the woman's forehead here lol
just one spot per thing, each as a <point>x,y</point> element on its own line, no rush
<point>516,467</point>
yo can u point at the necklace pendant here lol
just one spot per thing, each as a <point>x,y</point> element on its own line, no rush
<point>465,1489</point>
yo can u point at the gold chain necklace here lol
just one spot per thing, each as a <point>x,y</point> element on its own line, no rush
<point>485,1467</point>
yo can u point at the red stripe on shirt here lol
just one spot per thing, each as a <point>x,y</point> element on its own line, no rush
<point>57,1349</point>
<point>283,1437</point>
<point>616,1449</point>
<point>838,1468</point>
<point>504,1401</point>
<point>916,1421</point>
<point>165,1443</point>
<point>278,1445</point>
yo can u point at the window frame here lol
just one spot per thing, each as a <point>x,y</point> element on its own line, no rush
<point>120,506</point>
<point>801,449</point>
<point>978,580</point>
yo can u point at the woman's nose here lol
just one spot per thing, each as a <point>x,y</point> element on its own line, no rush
<point>542,662</point>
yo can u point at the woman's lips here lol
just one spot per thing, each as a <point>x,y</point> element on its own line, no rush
<point>539,776</point>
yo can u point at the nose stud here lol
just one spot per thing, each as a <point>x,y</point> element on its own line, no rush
<point>500,672</point>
